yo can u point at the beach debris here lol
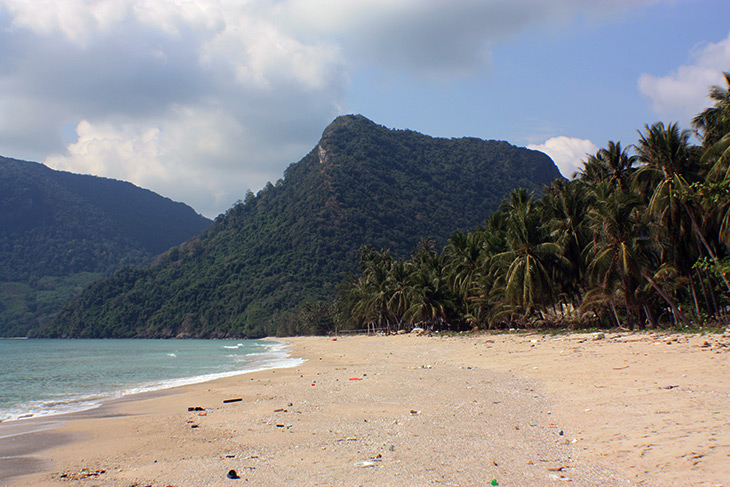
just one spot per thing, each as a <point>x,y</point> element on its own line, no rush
<point>556,469</point>
<point>195,408</point>
<point>203,414</point>
<point>85,473</point>
<point>368,463</point>
<point>669,387</point>
<point>561,432</point>
<point>232,474</point>
<point>414,412</point>
<point>238,399</point>
<point>194,426</point>
<point>281,410</point>
<point>355,378</point>
<point>599,336</point>
<point>494,482</point>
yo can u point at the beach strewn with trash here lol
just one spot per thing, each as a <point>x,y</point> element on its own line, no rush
<point>611,409</point>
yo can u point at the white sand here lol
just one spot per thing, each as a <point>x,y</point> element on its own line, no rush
<point>630,409</point>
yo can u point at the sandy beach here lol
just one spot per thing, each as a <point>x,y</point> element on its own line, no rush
<point>512,410</point>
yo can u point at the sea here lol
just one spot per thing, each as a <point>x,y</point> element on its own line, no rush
<point>43,377</point>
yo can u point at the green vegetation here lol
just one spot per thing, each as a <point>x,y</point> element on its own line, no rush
<point>61,231</point>
<point>640,238</point>
<point>272,262</point>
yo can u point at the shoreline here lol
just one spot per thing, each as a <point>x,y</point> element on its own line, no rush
<point>23,440</point>
<point>523,409</point>
<point>82,402</point>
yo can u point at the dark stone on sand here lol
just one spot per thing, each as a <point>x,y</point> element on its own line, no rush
<point>232,475</point>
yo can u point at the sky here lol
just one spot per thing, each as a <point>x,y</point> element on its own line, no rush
<point>201,101</point>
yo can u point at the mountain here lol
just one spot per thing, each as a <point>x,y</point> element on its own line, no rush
<point>59,231</point>
<point>295,240</point>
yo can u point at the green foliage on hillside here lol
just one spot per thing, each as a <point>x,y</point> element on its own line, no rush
<point>60,231</point>
<point>641,238</point>
<point>294,241</point>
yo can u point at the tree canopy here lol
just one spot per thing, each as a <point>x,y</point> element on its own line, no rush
<point>60,231</point>
<point>639,239</point>
<point>292,243</point>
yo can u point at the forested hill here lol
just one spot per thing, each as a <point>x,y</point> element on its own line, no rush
<point>59,231</point>
<point>295,240</point>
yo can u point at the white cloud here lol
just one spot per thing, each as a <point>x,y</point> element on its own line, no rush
<point>201,100</point>
<point>198,154</point>
<point>434,38</point>
<point>568,153</point>
<point>198,101</point>
<point>683,94</point>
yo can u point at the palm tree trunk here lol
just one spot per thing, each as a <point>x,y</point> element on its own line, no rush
<point>675,311</point>
<point>694,296</point>
<point>650,316</point>
<point>711,309</point>
<point>615,315</point>
<point>697,230</point>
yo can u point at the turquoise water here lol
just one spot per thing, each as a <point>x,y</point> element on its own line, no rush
<point>44,377</point>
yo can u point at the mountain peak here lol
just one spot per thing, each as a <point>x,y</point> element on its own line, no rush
<point>364,184</point>
<point>347,122</point>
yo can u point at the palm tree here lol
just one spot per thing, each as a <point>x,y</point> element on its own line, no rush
<point>463,256</point>
<point>612,164</point>
<point>665,179</point>
<point>624,253</point>
<point>566,204</point>
<point>398,282</point>
<point>431,301</point>
<point>527,268</point>
<point>713,123</point>
<point>667,172</point>
<point>486,281</point>
<point>372,288</point>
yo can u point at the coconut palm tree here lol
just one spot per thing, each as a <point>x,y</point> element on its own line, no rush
<point>624,253</point>
<point>612,164</point>
<point>665,178</point>
<point>463,256</point>
<point>713,123</point>
<point>566,204</point>
<point>431,300</point>
<point>372,288</point>
<point>398,283</point>
<point>527,268</point>
<point>667,171</point>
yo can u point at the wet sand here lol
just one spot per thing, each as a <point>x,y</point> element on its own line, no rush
<point>519,409</point>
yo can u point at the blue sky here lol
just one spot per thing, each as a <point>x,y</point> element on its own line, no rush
<point>202,100</point>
